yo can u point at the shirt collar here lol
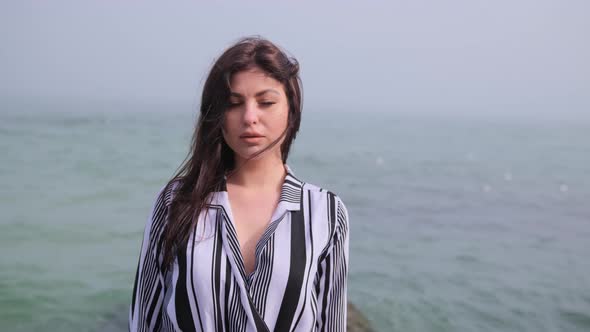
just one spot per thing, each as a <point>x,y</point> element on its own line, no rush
<point>290,199</point>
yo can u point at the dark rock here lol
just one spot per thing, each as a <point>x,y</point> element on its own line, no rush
<point>356,321</point>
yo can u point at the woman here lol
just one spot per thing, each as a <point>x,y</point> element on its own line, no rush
<point>235,241</point>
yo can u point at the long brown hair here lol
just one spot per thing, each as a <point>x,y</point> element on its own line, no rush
<point>210,158</point>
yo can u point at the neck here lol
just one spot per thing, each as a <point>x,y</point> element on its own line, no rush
<point>258,173</point>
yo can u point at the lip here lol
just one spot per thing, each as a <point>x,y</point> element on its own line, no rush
<point>251,139</point>
<point>250,136</point>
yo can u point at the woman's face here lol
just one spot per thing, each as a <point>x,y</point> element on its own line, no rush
<point>257,115</point>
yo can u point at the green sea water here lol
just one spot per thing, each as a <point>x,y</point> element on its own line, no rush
<point>458,223</point>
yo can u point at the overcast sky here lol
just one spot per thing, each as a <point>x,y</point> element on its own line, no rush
<point>493,56</point>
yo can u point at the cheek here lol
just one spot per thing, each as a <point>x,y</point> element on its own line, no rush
<point>283,120</point>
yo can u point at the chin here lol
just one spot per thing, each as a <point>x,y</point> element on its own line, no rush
<point>248,152</point>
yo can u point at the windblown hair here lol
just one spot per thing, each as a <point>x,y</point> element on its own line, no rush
<point>210,158</point>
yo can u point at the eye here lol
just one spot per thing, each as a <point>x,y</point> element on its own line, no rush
<point>267,103</point>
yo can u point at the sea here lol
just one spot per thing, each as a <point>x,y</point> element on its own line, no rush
<point>467,221</point>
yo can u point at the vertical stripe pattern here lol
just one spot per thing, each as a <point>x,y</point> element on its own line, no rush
<point>299,282</point>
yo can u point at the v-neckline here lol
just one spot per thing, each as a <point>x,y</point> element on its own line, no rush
<point>261,242</point>
<point>290,200</point>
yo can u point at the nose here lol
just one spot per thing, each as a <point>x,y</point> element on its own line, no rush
<point>251,113</point>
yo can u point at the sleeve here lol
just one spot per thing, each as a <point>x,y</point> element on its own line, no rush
<point>148,288</point>
<point>333,270</point>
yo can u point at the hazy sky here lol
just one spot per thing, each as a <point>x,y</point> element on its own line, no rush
<point>490,56</point>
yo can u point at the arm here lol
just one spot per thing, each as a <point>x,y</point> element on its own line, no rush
<point>332,295</point>
<point>148,288</point>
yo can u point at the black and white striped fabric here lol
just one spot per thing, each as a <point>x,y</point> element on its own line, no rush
<point>299,282</point>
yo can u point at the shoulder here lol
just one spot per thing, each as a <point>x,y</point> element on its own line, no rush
<point>331,202</point>
<point>168,191</point>
<point>160,208</point>
<point>333,221</point>
<point>318,192</point>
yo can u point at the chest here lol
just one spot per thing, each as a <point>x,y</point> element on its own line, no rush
<point>212,266</point>
<point>251,216</point>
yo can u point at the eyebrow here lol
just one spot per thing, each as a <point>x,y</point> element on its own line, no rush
<point>260,93</point>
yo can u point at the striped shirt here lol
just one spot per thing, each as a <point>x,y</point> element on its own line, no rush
<point>299,282</point>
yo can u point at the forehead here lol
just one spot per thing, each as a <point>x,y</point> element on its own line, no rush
<point>252,81</point>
